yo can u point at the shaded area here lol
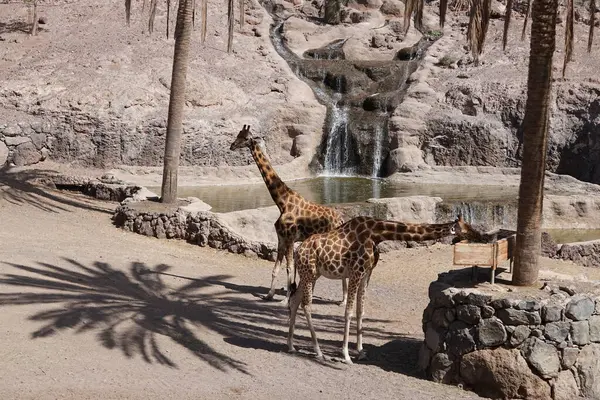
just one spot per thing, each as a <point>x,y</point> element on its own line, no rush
<point>34,188</point>
<point>16,26</point>
<point>130,311</point>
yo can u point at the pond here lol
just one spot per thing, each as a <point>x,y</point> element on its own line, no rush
<point>332,190</point>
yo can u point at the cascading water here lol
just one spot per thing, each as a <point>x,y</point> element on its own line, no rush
<point>491,214</point>
<point>359,95</point>
<point>377,151</point>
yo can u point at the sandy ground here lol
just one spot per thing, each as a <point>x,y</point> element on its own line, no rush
<point>90,311</point>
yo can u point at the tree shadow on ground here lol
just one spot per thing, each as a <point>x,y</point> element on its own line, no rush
<point>131,311</point>
<point>17,26</point>
<point>34,188</point>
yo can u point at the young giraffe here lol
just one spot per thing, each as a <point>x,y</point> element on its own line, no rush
<point>349,251</point>
<point>299,217</point>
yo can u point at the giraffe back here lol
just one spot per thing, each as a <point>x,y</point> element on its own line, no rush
<point>301,218</point>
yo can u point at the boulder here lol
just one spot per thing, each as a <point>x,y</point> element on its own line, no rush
<point>502,373</point>
<point>580,308</point>
<point>542,357</point>
<point>3,154</point>
<point>26,154</point>
<point>588,369</point>
<point>565,386</point>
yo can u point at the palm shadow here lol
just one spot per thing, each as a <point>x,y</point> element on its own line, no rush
<point>130,311</point>
<point>34,188</point>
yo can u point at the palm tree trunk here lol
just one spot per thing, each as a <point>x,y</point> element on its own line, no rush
<point>230,22</point>
<point>332,11</point>
<point>34,26</point>
<point>535,128</point>
<point>183,33</point>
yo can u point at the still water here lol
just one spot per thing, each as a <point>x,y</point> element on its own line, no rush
<point>331,190</point>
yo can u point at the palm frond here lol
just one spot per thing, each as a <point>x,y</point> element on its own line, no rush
<point>443,9</point>
<point>204,7</point>
<point>409,7</point>
<point>527,16</point>
<point>242,13</point>
<point>479,19</point>
<point>507,16</point>
<point>592,24</point>
<point>128,11</point>
<point>230,22</point>
<point>568,37</point>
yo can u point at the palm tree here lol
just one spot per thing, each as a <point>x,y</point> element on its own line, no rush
<point>535,128</point>
<point>183,36</point>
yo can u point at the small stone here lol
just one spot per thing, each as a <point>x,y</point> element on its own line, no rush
<point>26,154</point>
<point>438,318</point>
<point>491,332</point>
<point>450,314</point>
<point>557,331</point>
<point>440,366</point>
<point>3,153</point>
<point>487,311</point>
<point>460,338</point>
<point>468,313</point>
<point>537,333</point>
<point>569,356</point>
<point>16,140</point>
<point>12,130</point>
<point>570,290</point>
<point>528,305</point>
<point>521,333</point>
<point>595,328</point>
<point>565,386</point>
<point>478,299</point>
<point>439,294</point>
<point>597,306</point>
<point>542,357</point>
<point>510,316</point>
<point>500,303</point>
<point>580,332</point>
<point>551,313</point>
<point>580,308</point>
<point>433,338</point>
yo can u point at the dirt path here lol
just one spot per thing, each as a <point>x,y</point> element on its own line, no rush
<point>89,311</point>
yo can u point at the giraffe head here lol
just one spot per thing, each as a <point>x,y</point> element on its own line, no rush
<point>463,230</point>
<point>243,139</point>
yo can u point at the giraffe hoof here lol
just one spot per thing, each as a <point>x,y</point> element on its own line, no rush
<point>267,297</point>
<point>348,361</point>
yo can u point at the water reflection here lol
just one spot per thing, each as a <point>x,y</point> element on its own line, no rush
<point>331,190</point>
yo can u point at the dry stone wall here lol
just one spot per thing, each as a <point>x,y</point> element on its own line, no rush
<point>510,346</point>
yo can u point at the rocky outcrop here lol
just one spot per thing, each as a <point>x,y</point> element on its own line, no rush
<point>507,345</point>
<point>583,253</point>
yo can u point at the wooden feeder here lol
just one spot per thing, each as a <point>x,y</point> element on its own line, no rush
<point>490,254</point>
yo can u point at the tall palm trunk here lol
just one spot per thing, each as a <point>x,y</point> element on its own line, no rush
<point>332,11</point>
<point>183,33</point>
<point>535,132</point>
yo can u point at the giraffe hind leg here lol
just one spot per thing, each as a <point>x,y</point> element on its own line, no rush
<point>344,292</point>
<point>360,304</point>
<point>289,258</point>
<point>353,284</point>
<point>293,308</point>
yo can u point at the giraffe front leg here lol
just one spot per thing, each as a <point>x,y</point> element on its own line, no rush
<point>276,267</point>
<point>307,302</point>
<point>289,258</point>
<point>360,304</point>
<point>352,289</point>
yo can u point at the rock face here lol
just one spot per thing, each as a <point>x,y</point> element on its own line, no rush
<point>502,373</point>
<point>511,350</point>
<point>585,253</point>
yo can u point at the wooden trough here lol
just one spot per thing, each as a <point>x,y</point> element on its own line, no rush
<point>490,254</point>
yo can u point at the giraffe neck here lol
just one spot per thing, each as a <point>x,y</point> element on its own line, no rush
<point>391,230</point>
<point>277,188</point>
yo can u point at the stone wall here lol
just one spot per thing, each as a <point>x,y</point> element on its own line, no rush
<point>185,221</point>
<point>582,253</point>
<point>537,345</point>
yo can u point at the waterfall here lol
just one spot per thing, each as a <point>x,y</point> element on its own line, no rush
<point>489,214</point>
<point>377,152</point>
<point>338,152</point>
